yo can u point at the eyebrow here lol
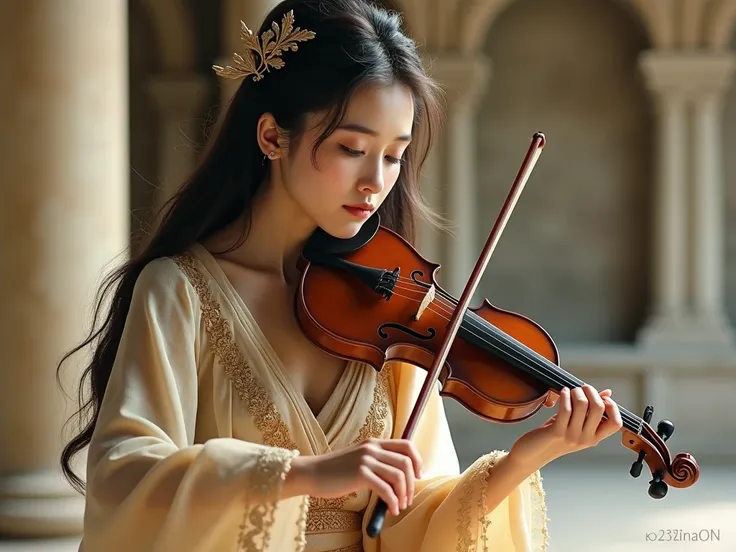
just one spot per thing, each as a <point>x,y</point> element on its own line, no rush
<point>365,130</point>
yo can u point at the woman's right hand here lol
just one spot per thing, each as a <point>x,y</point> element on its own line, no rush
<point>387,467</point>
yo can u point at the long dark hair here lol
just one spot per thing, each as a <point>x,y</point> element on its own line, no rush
<point>357,43</point>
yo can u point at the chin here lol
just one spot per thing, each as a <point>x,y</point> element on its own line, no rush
<point>343,231</point>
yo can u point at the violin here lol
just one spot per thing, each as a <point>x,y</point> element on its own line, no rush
<point>373,298</point>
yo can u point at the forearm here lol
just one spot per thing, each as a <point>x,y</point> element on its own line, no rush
<point>505,475</point>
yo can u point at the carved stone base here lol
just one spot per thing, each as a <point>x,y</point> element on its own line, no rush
<point>40,505</point>
<point>712,335</point>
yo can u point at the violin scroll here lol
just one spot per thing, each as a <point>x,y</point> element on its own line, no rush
<point>680,471</point>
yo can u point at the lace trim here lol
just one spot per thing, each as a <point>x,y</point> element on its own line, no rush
<point>266,483</point>
<point>539,505</point>
<point>477,481</point>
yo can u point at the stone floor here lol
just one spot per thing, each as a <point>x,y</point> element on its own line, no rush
<point>594,508</point>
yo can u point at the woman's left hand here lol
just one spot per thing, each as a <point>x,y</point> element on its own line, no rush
<point>578,425</point>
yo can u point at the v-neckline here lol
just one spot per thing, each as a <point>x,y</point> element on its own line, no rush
<point>269,352</point>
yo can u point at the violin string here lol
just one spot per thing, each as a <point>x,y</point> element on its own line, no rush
<point>525,354</point>
<point>540,369</point>
<point>632,421</point>
<point>529,358</point>
<point>529,362</point>
<point>449,303</point>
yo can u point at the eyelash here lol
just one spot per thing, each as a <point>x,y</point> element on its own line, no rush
<point>356,153</point>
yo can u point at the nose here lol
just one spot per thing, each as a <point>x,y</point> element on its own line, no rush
<point>373,181</point>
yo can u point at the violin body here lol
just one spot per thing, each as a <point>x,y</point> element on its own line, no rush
<point>379,302</point>
<point>343,316</point>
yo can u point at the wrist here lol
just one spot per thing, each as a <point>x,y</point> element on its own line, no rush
<point>525,463</point>
<point>298,481</point>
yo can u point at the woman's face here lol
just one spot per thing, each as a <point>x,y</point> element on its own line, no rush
<point>357,166</point>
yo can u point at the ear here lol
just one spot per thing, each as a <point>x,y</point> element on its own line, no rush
<point>269,136</point>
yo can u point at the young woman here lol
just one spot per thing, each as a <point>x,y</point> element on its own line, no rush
<point>215,424</point>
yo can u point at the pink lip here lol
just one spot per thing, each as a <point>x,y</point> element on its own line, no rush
<point>360,211</point>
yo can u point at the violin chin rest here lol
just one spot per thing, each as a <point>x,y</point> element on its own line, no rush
<point>322,242</point>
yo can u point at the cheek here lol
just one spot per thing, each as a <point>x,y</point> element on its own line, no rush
<point>392,176</point>
<point>325,184</point>
<point>337,174</point>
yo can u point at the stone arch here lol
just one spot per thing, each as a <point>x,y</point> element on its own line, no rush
<point>575,255</point>
<point>476,17</point>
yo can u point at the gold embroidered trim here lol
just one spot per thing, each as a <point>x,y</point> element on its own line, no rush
<point>375,420</point>
<point>329,521</point>
<point>373,427</point>
<point>263,411</point>
<point>250,390</point>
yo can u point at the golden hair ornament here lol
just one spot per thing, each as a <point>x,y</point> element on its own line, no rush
<point>273,43</point>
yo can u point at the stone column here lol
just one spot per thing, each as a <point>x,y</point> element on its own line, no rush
<point>712,80</point>
<point>670,215</point>
<point>688,218</point>
<point>178,99</point>
<point>464,80</point>
<point>252,13</point>
<point>63,217</point>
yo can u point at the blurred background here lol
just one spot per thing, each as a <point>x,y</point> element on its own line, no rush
<point>622,246</point>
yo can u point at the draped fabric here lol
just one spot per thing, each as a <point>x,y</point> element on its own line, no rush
<point>200,423</point>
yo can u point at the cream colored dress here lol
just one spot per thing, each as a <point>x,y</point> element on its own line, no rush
<point>199,425</point>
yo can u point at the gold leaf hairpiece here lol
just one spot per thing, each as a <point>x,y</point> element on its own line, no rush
<point>274,42</point>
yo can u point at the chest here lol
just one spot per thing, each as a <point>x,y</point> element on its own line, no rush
<point>313,373</point>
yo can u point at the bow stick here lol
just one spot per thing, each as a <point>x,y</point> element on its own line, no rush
<point>535,150</point>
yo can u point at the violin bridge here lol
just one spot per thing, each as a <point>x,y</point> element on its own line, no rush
<point>428,298</point>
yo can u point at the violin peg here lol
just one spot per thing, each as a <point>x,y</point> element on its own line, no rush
<point>637,466</point>
<point>665,429</point>
<point>648,412</point>
<point>657,487</point>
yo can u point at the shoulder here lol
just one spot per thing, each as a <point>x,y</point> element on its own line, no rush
<point>167,279</point>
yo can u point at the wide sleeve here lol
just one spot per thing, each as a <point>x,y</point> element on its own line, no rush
<point>150,487</point>
<point>449,511</point>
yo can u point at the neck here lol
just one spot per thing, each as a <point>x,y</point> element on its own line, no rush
<point>276,234</point>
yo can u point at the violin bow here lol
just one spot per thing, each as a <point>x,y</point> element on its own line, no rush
<point>535,150</point>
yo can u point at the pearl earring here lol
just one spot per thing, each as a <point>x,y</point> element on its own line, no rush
<point>272,155</point>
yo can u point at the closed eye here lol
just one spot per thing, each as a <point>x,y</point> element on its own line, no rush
<point>350,151</point>
<point>358,153</point>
